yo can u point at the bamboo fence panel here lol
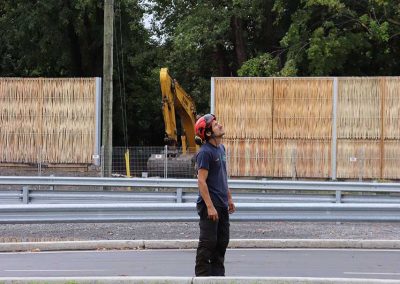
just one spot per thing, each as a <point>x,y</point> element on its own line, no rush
<point>47,120</point>
<point>70,106</point>
<point>249,157</point>
<point>244,107</point>
<point>391,109</point>
<point>368,125</point>
<point>302,158</point>
<point>358,159</point>
<point>302,108</point>
<point>19,136</point>
<point>391,169</point>
<point>359,108</point>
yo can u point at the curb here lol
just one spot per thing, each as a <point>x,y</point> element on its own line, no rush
<point>192,244</point>
<point>192,280</point>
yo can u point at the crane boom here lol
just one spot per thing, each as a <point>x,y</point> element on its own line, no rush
<point>176,100</point>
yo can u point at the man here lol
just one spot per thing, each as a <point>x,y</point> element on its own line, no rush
<point>215,201</point>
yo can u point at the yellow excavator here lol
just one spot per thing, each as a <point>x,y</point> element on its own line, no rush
<point>175,102</point>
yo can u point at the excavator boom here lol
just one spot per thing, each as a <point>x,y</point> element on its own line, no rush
<point>176,100</point>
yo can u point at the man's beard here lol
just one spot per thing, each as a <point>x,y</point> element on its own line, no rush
<point>221,135</point>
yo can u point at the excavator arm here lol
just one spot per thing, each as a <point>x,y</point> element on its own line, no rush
<point>176,100</point>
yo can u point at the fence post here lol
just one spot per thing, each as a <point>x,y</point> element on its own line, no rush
<point>166,162</point>
<point>361,164</point>
<point>40,163</point>
<point>25,195</point>
<point>179,195</point>
<point>212,97</point>
<point>293,162</point>
<point>97,148</point>
<point>102,165</point>
<point>334,129</point>
<point>102,161</point>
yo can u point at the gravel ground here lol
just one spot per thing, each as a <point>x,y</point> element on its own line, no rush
<point>170,230</point>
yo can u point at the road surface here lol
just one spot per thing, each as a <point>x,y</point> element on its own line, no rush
<point>331,263</point>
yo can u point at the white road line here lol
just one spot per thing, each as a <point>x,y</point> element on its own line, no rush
<point>175,250</point>
<point>315,249</point>
<point>372,273</point>
<point>51,270</point>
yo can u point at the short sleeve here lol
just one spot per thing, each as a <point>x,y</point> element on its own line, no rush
<point>203,160</point>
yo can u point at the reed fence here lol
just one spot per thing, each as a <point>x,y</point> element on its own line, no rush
<point>47,120</point>
<point>283,127</point>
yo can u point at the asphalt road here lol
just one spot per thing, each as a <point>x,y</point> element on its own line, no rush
<point>334,263</point>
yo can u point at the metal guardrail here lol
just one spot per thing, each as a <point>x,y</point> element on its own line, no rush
<point>58,213</point>
<point>290,201</point>
<point>192,183</point>
<point>26,196</point>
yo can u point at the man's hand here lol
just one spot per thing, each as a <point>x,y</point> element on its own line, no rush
<point>231,206</point>
<point>212,213</point>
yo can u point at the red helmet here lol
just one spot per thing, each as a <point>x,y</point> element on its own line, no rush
<point>203,124</point>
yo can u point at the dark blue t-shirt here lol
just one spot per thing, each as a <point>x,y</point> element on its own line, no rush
<point>213,159</point>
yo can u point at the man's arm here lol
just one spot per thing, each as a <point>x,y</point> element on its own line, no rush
<point>202,175</point>
<point>231,205</point>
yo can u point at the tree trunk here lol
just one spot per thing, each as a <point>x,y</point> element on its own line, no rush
<point>221,62</point>
<point>240,48</point>
<point>74,47</point>
<point>92,59</point>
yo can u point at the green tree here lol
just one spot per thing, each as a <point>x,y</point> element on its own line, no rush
<point>64,38</point>
<point>212,38</point>
<point>196,40</point>
<point>261,66</point>
<point>137,56</point>
<point>339,37</point>
<point>51,38</point>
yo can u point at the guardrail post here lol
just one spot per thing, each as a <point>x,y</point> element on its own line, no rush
<point>25,195</point>
<point>51,186</point>
<point>338,196</point>
<point>338,200</point>
<point>179,195</point>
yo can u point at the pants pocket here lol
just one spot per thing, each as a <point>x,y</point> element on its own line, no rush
<point>201,209</point>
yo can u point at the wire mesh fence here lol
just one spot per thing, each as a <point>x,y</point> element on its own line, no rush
<point>162,161</point>
<point>254,161</point>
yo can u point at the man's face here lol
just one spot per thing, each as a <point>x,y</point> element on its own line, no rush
<point>217,128</point>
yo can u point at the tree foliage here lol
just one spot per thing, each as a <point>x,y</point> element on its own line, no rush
<point>261,66</point>
<point>64,38</point>
<point>339,37</point>
<point>196,40</point>
<point>51,38</point>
